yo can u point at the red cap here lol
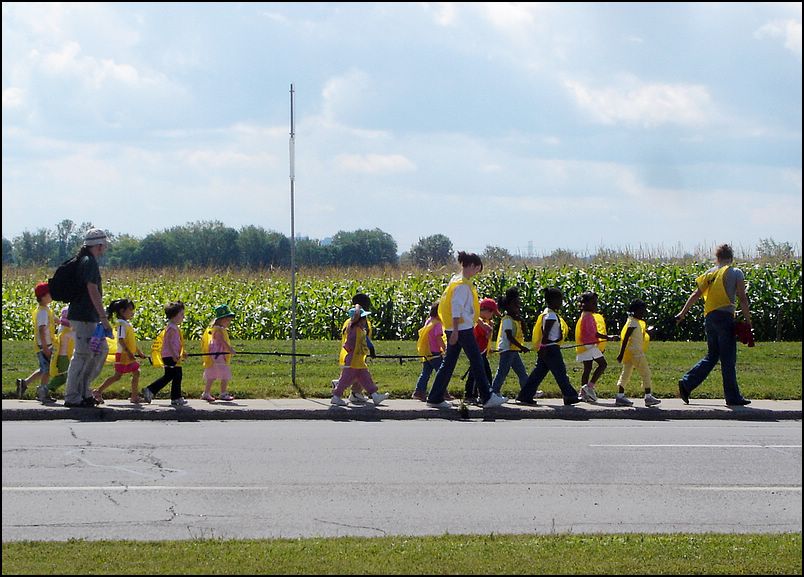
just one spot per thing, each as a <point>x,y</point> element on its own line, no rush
<point>41,290</point>
<point>490,304</point>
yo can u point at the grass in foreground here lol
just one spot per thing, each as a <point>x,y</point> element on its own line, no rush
<point>771,370</point>
<point>679,554</point>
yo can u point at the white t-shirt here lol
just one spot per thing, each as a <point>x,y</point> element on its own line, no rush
<point>42,320</point>
<point>507,324</point>
<point>462,306</point>
<point>555,330</point>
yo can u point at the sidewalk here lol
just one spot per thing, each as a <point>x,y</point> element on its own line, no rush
<point>398,409</point>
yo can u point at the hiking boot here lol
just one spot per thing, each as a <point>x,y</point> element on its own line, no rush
<point>419,396</point>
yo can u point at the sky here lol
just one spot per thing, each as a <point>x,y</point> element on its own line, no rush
<point>527,126</point>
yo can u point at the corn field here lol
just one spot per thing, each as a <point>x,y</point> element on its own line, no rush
<point>401,299</point>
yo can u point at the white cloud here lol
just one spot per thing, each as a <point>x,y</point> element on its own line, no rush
<point>343,94</point>
<point>94,72</point>
<point>374,163</point>
<point>12,97</point>
<point>641,104</point>
<point>789,30</point>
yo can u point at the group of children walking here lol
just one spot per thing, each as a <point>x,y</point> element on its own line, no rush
<point>55,348</point>
<point>550,330</point>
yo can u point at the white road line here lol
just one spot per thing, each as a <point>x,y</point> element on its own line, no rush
<point>742,488</point>
<point>124,488</point>
<point>706,446</point>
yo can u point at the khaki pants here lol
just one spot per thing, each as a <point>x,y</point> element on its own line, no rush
<point>640,363</point>
<point>85,366</point>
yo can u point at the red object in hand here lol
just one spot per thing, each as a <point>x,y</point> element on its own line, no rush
<point>744,333</point>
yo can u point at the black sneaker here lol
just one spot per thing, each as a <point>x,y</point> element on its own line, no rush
<point>529,402</point>
<point>22,386</point>
<point>682,392</point>
<point>572,401</point>
<point>739,403</point>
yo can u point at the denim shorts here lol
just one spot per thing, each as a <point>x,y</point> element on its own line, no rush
<point>44,362</point>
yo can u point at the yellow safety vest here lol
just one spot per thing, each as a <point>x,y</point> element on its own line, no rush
<point>206,341</point>
<point>65,331</point>
<point>713,289</point>
<point>643,344</point>
<point>517,333</point>
<point>361,348</point>
<point>156,348</point>
<point>445,304</point>
<point>538,329</point>
<point>423,342</point>
<point>51,325</point>
<point>601,328</point>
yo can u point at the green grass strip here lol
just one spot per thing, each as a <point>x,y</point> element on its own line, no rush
<point>675,554</point>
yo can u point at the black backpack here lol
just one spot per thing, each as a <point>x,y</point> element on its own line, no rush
<point>64,284</point>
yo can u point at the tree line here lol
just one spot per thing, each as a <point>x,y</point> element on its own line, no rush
<point>213,244</point>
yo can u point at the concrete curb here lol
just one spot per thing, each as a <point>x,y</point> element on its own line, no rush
<point>320,409</point>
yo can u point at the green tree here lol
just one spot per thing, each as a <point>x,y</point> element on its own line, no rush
<point>8,251</point>
<point>497,256</point>
<point>770,250</point>
<point>364,248</point>
<point>432,251</point>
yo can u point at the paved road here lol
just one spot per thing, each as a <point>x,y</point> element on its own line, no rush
<point>253,479</point>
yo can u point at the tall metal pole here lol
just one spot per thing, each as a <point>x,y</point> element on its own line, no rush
<point>292,238</point>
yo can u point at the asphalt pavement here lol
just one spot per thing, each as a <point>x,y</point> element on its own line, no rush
<point>399,409</point>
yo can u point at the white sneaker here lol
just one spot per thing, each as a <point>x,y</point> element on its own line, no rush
<point>441,405</point>
<point>337,401</point>
<point>539,394</point>
<point>623,401</point>
<point>379,397</point>
<point>651,401</point>
<point>588,394</point>
<point>357,398</point>
<point>495,400</point>
<point>180,402</point>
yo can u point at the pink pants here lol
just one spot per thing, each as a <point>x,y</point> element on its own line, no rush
<point>351,376</point>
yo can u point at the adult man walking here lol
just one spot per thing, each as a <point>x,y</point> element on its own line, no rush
<point>84,313</point>
<point>718,286</point>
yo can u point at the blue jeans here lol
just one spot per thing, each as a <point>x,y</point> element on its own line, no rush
<point>549,360</point>
<point>509,360</point>
<point>428,367</point>
<point>467,342</point>
<point>721,345</point>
